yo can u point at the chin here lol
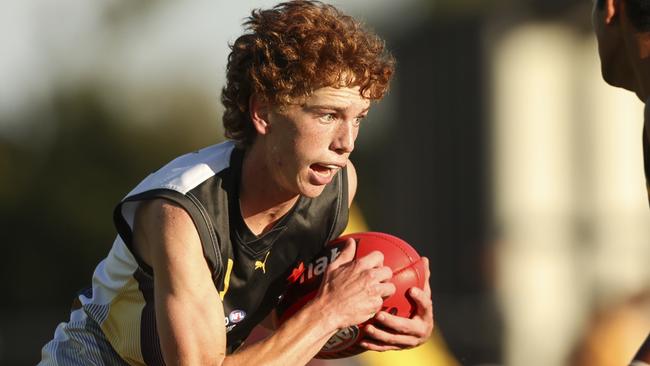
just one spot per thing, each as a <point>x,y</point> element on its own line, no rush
<point>619,74</point>
<point>629,85</point>
<point>612,81</point>
<point>312,191</point>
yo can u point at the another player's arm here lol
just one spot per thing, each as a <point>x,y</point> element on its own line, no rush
<point>189,314</point>
<point>642,357</point>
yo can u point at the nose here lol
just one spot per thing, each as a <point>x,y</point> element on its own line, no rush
<point>345,135</point>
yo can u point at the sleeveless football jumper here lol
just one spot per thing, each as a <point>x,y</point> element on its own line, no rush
<point>113,322</point>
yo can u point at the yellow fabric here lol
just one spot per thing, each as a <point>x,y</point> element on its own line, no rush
<point>122,325</point>
<point>432,353</point>
<point>356,222</point>
<point>226,279</point>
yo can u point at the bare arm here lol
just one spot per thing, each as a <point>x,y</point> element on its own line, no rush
<point>189,313</point>
<point>190,319</point>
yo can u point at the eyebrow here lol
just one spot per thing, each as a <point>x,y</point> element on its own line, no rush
<point>332,107</point>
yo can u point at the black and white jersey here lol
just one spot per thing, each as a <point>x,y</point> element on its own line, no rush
<point>114,321</point>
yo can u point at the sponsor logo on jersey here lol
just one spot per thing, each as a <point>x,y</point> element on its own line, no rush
<point>262,265</point>
<point>235,316</point>
<point>296,272</point>
<point>317,267</point>
<point>342,339</point>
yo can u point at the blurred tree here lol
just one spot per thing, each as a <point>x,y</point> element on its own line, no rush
<point>56,200</point>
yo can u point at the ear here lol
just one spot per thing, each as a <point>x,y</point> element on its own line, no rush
<point>611,9</point>
<point>259,114</point>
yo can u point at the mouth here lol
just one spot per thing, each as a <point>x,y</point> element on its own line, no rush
<point>325,169</point>
<point>323,173</point>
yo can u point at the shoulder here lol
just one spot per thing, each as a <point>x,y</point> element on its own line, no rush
<point>160,216</point>
<point>162,225</point>
<point>188,171</point>
<point>161,211</point>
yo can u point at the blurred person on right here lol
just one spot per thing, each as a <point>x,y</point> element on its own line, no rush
<point>613,333</point>
<point>622,29</point>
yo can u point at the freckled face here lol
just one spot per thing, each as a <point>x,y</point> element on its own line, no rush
<point>307,143</point>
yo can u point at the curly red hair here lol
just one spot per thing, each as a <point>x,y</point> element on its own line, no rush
<point>293,49</point>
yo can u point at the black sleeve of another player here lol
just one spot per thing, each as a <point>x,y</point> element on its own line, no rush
<point>196,212</point>
<point>644,352</point>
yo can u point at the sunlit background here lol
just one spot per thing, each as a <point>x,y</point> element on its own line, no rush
<point>499,153</point>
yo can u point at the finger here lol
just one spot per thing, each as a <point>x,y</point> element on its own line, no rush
<point>392,339</point>
<point>381,274</point>
<point>417,327</point>
<point>427,290</point>
<point>427,272</point>
<point>346,255</point>
<point>371,260</point>
<point>377,346</point>
<point>385,289</point>
<point>423,302</point>
<point>427,276</point>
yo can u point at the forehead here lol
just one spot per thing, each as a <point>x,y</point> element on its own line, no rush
<point>343,97</point>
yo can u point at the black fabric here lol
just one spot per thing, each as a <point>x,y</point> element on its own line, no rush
<point>190,204</point>
<point>149,342</point>
<point>261,265</point>
<point>644,352</point>
<point>296,237</point>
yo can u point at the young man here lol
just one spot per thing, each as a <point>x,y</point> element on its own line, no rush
<point>217,233</point>
<point>623,32</point>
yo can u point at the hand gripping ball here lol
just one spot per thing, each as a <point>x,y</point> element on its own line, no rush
<point>408,271</point>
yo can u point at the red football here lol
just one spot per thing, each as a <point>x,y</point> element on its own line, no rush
<point>408,271</point>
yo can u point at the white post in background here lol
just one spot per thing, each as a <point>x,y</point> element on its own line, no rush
<point>537,278</point>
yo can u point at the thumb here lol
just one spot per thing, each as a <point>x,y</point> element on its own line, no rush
<point>346,255</point>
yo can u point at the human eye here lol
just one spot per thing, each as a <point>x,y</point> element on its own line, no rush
<point>327,117</point>
<point>357,121</point>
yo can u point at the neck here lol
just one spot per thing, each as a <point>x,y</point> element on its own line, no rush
<point>262,200</point>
